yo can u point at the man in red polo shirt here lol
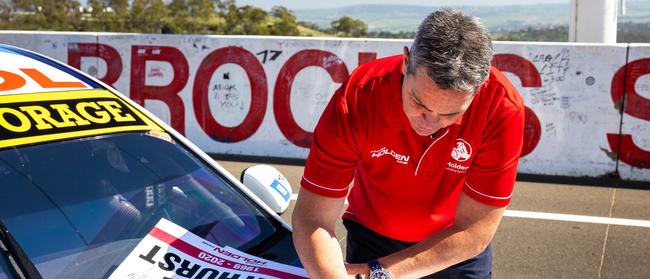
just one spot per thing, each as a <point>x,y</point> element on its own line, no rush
<point>431,139</point>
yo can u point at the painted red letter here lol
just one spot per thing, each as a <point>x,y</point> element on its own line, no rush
<point>636,106</point>
<point>365,57</point>
<point>139,92</point>
<point>282,93</point>
<point>529,77</point>
<point>105,52</point>
<point>259,94</point>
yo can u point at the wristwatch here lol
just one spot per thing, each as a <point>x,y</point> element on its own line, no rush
<point>377,271</point>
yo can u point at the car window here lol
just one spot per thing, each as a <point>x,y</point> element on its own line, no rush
<point>78,207</point>
<point>5,271</point>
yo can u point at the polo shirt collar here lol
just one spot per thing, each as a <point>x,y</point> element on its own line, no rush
<point>399,121</point>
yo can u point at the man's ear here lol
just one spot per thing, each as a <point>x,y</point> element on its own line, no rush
<point>406,56</point>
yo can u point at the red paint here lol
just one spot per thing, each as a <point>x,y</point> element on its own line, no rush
<point>365,57</point>
<point>282,92</point>
<point>532,132</point>
<point>140,92</point>
<point>630,153</point>
<point>636,106</point>
<point>105,52</point>
<point>259,94</point>
<point>529,77</point>
<point>519,66</point>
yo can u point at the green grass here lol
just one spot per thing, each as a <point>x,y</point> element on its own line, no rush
<point>304,31</point>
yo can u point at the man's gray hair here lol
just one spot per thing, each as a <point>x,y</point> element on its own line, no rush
<point>454,48</point>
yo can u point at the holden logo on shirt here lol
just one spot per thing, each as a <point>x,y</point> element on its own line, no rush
<point>402,159</point>
<point>462,151</point>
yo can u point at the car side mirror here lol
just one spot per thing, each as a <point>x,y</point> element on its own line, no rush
<point>268,184</point>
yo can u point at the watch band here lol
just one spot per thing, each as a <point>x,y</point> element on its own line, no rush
<point>374,265</point>
<point>377,271</point>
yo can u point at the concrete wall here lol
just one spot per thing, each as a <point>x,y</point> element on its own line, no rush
<point>262,96</point>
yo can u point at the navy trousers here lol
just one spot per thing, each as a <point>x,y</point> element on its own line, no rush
<point>364,245</point>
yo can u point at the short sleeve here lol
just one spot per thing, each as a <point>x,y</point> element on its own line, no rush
<point>491,177</point>
<point>334,151</point>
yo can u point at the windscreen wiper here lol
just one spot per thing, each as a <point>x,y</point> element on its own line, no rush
<point>16,257</point>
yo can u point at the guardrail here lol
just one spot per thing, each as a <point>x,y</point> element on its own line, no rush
<point>588,105</point>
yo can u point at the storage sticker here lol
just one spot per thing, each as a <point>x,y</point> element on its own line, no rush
<point>170,251</point>
<point>42,117</point>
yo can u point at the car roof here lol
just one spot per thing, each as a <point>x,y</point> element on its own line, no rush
<point>43,100</point>
<point>23,71</point>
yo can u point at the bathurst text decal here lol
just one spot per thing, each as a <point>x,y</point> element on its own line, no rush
<point>170,251</point>
<point>42,117</point>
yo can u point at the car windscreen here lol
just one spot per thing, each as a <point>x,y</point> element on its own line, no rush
<point>5,272</point>
<point>78,207</point>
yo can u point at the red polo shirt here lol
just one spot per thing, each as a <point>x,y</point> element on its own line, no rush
<point>406,186</point>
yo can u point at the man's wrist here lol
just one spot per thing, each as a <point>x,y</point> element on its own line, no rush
<point>377,271</point>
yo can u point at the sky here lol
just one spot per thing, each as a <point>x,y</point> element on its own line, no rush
<point>306,4</point>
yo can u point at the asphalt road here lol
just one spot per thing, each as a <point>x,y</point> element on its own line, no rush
<point>555,230</point>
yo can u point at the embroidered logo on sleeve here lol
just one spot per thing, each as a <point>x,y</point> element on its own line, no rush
<point>402,159</point>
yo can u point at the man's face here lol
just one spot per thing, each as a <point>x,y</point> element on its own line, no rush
<point>428,107</point>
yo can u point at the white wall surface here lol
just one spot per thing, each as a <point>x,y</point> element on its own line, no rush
<point>230,94</point>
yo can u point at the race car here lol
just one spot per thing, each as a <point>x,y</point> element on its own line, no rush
<point>86,174</point>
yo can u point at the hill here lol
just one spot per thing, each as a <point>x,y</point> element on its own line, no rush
<point>395,18</point>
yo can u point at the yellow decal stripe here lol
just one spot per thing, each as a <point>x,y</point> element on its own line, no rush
<point>42,117</point>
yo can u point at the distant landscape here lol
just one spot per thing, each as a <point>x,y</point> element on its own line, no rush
<point>534,22</point>
<point>502,21</point>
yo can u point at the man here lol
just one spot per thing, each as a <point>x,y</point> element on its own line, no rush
<point>431,139</point>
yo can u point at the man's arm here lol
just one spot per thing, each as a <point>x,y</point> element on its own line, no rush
<point>313,221</point>
<point>473,229</point>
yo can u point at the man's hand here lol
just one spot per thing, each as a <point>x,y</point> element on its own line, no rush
<point>473,229</point>
<point>358,269</point>
<point>313,220</point>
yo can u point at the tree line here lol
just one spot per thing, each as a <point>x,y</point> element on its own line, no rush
<point>223,17</point>
<point>626,32</point>
<point>216,17</point>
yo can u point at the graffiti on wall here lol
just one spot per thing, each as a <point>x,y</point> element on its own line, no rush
<point>264,97</point>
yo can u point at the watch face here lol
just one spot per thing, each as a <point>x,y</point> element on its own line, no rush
<point>379,274</point>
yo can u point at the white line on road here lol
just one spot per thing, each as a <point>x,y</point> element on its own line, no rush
<point>577,218</point>
<point>567,217</point>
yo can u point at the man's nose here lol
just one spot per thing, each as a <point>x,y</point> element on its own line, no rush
<point>430,119</point>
